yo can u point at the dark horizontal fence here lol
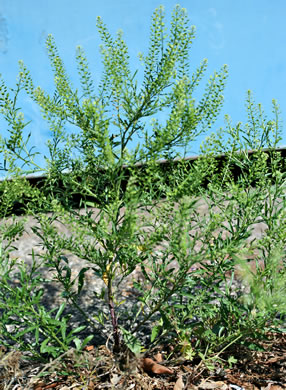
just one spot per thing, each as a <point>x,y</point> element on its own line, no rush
<point>166,167</point>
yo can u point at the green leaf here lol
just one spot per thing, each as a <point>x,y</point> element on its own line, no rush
<point>81,279</point>
<point>131,341</point>
<point>78,329</point>
<point>86,341</point>
<point>27,330</point>
<point>37,334</point>
<point>155,331</point>
<point>44,346</point>
<point>77,344</point>
<point>60,311</point>
<point>231,360</point>
<point>63,326</point>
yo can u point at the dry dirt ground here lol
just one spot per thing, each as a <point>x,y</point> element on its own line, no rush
<point>99,368</point>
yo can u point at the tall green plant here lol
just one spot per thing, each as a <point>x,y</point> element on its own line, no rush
<point>110,116</point>
<point>140,219</point>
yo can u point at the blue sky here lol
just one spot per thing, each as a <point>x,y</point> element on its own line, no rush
<point>248,35</point>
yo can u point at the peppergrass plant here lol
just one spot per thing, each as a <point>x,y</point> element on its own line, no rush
<point>203,280</point>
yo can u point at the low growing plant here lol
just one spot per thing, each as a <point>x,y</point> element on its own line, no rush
<point>24,319</point>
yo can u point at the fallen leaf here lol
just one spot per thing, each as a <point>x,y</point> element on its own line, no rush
<point>273,360</point>
<point>179,385</point>
<point>115,379</point>
<point>213,385</point>
<point>91,385</point>
<point>152,367</point>
<point>89,348</point>
<point>158,357</point>
<point>51,385</point>
<point>75,386</point>
<point>66,388</point>
<point>39,385</point>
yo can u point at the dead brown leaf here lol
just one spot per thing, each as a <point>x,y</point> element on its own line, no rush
<point>150,366</point>
<point>213,385</point>
<point>179,385</point>
<point>89,348</point>
<point>158,357</point>
<point>272,387</point>
<point>273,360</point>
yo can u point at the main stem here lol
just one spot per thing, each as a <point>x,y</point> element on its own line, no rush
<point>110,298</point>
<point>116,335</point>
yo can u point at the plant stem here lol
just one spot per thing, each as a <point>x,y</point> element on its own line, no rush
<point>116,335</point>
